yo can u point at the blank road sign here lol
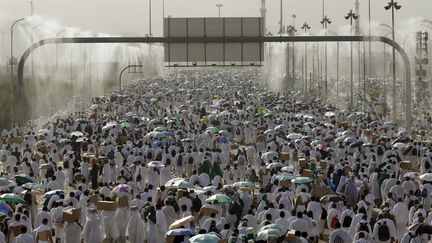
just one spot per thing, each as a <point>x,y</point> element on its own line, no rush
<point>223,53</point>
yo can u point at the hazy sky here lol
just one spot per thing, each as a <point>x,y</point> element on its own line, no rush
<point>131,16</point>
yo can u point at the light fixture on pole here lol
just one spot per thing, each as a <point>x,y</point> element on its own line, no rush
<point>326,21</point>
<point>306,28</point>
<point>351,16</point>
<point>393,6</point>
<point>219,6</point>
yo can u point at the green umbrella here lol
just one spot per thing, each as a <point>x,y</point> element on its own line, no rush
<point>268,234</point>
<point>213,129</point>
<point>302,180</point>
<point>204,238</point>
<point>285,177</point>
<point>126,125</point>
<point>218,199</point>
<point>182,184</point>
<point>271,226</point>
<point>244,184</point>
<point>262,111</point>
<point>32,185</point>
<point>22,179</point>
<point>11,197</point>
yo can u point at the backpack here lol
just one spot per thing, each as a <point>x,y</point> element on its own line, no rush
<point>347,221</point>
<point>234,207</point>
<point>423,193</point>
<point>427,165</point>
<point>180,160</point>
<point>334,221</point>
<point>338,239</point>
<point>383,232</point>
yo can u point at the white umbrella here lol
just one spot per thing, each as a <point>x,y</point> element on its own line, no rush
<point>330,114</point>
<point>426,177</point>
<point>294,136</point>
<point>77,134</point>
<point>399,145</point>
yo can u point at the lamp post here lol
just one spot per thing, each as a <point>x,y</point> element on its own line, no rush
<point>150,18</point>
<point>124,69</point>
<point>291,32</point>
<point>370,42</point>
<point>281,19</point>
<point>393,6</point>
<point>351,16</point>
<point>3,49</point>
<point>326,21</point>
<point>293,48</point>
<point>219,6</point>
<point>306,28</point>
<point>11,45</point>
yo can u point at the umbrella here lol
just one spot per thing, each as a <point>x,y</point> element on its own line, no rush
<point>64,141</point>
<point>374,123</point>
<point>294,136</point>
<point>40,144</point>
<point>122,189</point>
<point>330,114</point>
<point>302,180</point>
<point>268,234</point>
<point>218,199</point>
<point>315,143</point>
<point>125,125</point>
<point>269,132</point>
<point>368,145</point>
<point>6,184</point>
<point>399,145</point>
<point>181,222</point>
<point>22,179</point>
<point>271,226</point>
<point>213,129</point>
<point>44,131</point>
<point>156,134</point>
<point>205,238</point>
<point>81,140</point>
<point>348,133</point>
<point>187,140</point>
<point>11,198</point>
<point>285,177</point>
<point>170,182</point>
<point>426,177</point>
<point>349,140</point>
<point>5,208</point>
<point>77,134</point>
<point>49,194</point>
<point>244,184</point>
<point>269,155</point>
<point>412,174</point>
<point>109,126</point>
<point>180,232</point>
<point>182,184</point>
<point>281,127</point>
<point>274,165</point>
<point>156,164</point>
<point>331,198</point>
<point>160,129</point>
<point>32,185</point>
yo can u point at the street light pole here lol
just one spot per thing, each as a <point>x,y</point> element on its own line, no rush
<point>281,19</point>
<point>324,23</point>
<point>219,6</point>
<point>124,69</point>
<point>370,43</point>
<point>291,30</point>
<point>306,28</point>
<point>393,6</point>
<point>11,46</point>
<point>150,18</point>
<point>351,16</point>
<point>293,49</point>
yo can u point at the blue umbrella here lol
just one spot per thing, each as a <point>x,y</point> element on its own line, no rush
<point>157,144</point>
<point>5,208</point>
<point>180,232</point>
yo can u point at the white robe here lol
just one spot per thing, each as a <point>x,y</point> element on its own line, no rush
<point>136,228</point>
<point>121,218</point>
<point>92,231</point>
<point>72,233</point>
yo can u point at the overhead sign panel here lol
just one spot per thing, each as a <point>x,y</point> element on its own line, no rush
<point>211,54</point>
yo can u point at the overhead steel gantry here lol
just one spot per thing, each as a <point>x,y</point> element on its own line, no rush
<point>166,40</point>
